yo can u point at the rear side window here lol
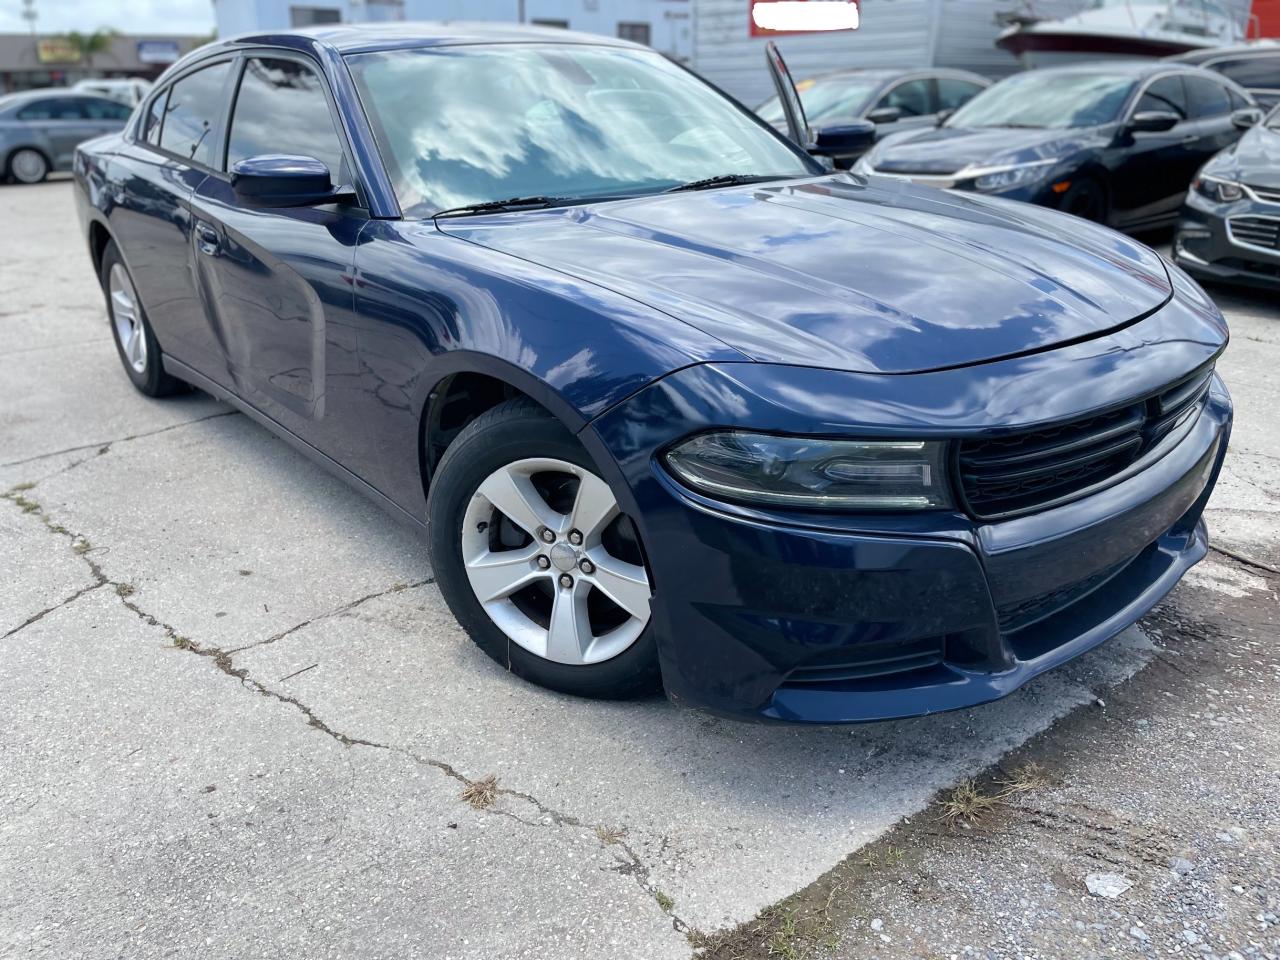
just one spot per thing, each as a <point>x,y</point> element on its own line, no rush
<point>913,97</point>
<point>1166,94</point>
<point>1261,72</point>
<point>281,108</point>
<point>1206,98</point>
<point>953,93</point>
<point>55,108</point>
<point>103,109</point>
<point>155,117</point>
<point>195,103</point>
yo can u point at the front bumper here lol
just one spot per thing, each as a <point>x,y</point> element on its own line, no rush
<point>838,619</point>
<point>1205,246</point>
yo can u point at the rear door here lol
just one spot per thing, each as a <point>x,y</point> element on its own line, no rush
<point>105,115</point>
<point>1209,107</point>
<point>61,125</point>
<point>277,281</point>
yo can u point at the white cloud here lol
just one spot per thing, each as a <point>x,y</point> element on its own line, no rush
<point>126,16</point>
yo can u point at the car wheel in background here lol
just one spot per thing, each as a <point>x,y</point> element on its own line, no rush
<point>1086,198</point>
<point>135,342</point>
<point>28,166</point>
<point>536,559</point>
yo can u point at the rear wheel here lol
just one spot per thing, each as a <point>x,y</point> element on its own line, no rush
<point>536,559</point>
<point>28,166</point>
<point>136,344</point>
<point>1086,198</point>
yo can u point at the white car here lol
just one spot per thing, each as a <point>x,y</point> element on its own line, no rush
<point>129,91</point>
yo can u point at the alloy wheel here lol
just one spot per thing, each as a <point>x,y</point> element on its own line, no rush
<point>28,166</point>
<point>128,323</point>
<point>554,562</point>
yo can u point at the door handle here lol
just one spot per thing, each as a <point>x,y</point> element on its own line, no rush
<point>207,238</point>
<point>1190,138</point>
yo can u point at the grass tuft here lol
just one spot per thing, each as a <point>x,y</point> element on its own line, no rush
<point>967,803</point>
<point>481,794</point>
<point>664,901</point>
<point>610,835</point>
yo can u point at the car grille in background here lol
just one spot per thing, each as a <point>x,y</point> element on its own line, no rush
<point>1256,231</point>
<point>1269,194</point>
<point>1022,472</point>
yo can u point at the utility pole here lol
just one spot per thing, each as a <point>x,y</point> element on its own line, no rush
<point>29,14</point>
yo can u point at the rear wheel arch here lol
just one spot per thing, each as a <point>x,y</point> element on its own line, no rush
<point>99,237</point>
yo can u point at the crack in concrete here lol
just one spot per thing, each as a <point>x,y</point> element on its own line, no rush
<point>1246,561</point>
<point>629,864</point>
<point>37,617</point>
<point>106,445</point>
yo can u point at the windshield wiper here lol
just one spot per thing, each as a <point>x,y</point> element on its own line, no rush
<point>497,206</point>
<point>724,180</point>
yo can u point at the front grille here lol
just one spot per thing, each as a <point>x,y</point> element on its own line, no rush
<point>1269,194</point>
<point>865,662</point>
<point>1021,472</point>
<point>1256,231</point>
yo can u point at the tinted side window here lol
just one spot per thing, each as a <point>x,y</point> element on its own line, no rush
<point>60,108</point>
<point>102,109</point>
<point>1252,71</point>
<point>953,93</point>
<point>195,102</point>
<point>1238,101</point>
<point>913,97</point>
<point>155,117</point>
<point>281,108</point>
<point>1206,98</point>
<point>1164,94</point>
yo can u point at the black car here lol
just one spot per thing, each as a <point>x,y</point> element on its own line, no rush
<point>1118,143</point>
<point>1230,224</point>
<point>1255,66</point>
<point>894,100</point>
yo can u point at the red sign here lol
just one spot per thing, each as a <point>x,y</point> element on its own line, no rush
<point>769,18</point>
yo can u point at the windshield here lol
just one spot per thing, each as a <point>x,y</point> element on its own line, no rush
<point>830,98</point>
<point>1047,99</point>
<point>468,124</point>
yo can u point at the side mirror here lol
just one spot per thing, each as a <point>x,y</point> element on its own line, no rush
<point>1246,118</point>
<point>885,115</point>
<point>843,141</point>
<point>277,180</point>
<point>1153,121</point>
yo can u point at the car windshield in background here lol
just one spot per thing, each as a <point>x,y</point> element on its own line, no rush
<point>831,98</point>
<point>1047,100</point>
<point>466,125</point>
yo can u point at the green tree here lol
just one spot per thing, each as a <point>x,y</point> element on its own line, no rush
<point>89,45</point>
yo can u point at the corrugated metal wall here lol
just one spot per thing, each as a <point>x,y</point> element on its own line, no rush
<point>906,33</point>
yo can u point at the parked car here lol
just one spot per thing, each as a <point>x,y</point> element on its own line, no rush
<point>670,402</point>
<point>1118,143</point>
<point>1230,224</point>
<point>128,91</point>
<point>39,130</point>
<point>894,100</point>
<point>1254,66</point>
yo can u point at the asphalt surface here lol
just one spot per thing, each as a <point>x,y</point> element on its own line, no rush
<point>238,719</point>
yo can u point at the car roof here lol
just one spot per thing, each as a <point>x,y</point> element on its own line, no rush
<point>23,96</point>
<point>1267,46</point>
<point>368,37</point>
<point>890,73</point>
<point>1135,68</point>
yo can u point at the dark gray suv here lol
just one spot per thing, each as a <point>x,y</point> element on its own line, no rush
<point>40,129</point>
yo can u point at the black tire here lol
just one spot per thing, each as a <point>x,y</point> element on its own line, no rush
<point>152,379</point>
<point>516,430</point>
<point>27,165</point>
<point>1086,198</point>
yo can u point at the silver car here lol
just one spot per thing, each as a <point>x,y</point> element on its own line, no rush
<point>40,129</point>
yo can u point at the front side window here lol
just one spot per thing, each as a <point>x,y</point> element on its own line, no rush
<point>150,132</point>
<point>195,103</point>
<point>282,108</point>
<point>462,125</point>
<point>1047,98</point>
<point>59,108</point>
<point>1166,95</point>
<point>1206,97</point>
<point>912,98</point>
<point>954,93</point>
<point>103,109</point>
<point>826,99</point>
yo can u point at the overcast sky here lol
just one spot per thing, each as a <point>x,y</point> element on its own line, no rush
<point>126,16</point>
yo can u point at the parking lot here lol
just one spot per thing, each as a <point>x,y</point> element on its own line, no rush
<point>239,720</point>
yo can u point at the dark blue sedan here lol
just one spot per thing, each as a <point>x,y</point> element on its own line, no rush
<point>1114,142</point>
<point>672,403</point>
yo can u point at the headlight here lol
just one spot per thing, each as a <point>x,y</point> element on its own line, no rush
<point>812,474</point>
<point>1219,191</point>
<point>1006,178</point>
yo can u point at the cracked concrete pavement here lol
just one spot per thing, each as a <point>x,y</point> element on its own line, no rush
<point>239,719</point>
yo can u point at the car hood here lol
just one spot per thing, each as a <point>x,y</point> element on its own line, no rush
<point>944,150</point>
<point>1253,159</point>
<point>838,272</point>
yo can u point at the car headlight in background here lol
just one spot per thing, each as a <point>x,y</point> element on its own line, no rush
<point>813,474</point>
<point>1217,190</point>
<point>993,179</point>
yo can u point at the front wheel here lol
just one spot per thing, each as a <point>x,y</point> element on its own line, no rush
<point>1086,198</point>
<point>536,559</point>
